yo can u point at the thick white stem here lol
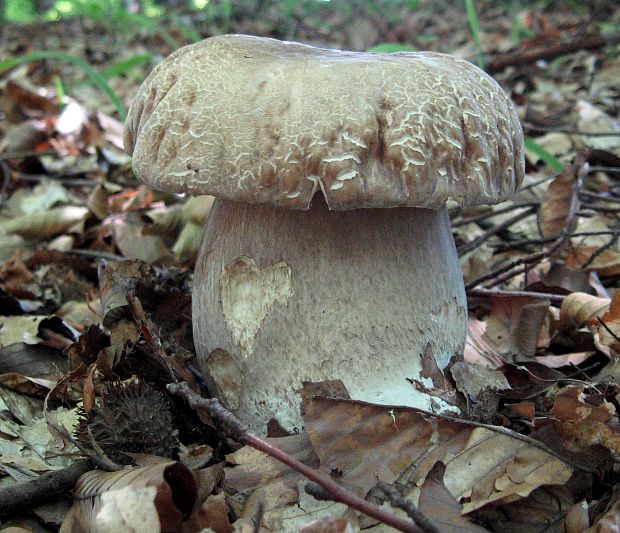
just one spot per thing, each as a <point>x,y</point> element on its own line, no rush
<point>283,297</point>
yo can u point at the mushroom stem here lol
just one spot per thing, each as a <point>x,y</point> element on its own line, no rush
<point>363,296</point>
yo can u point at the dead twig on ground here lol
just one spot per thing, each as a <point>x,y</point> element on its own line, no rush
<point>397,500</point>
<point>553,50</point>
<point>45,488</point>
<point>478,241</point>
<point>240,433</point>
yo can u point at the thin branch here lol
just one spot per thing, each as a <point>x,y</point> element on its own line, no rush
<point>518,266</point>
<point>478,241</point>
<point>504,247</point>
<point>147,328</point>
<point>611,242</point>
<point>478,218</point>
<point>45,488</point>
<point>570,131</point>
<point>554,298</point>
<point>553,50</point>
<point>397,500</point>
<point>237,431</point>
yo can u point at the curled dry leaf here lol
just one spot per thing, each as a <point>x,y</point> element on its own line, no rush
<point>175,495</point>
<point>560,203</point>
<point>579,308</point>
<point>515,325</point>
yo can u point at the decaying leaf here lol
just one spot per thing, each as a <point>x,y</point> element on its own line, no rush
<point>495,467</point>
<point>585,420</point>
<point>364,443</point>
<point>514,325</point>
<point>560,202</point>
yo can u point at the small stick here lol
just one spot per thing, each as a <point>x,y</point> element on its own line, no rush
<point>553,50</point>
<point>47,487</point>
<point>237,431</point>
<point>554,298</point>
<point>397,500</point>
<point>475,243</point>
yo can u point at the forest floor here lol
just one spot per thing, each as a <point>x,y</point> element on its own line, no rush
<point>95,300</point>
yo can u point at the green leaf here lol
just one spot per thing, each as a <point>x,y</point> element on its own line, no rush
<point>122,67</point>
<point>544,155</point>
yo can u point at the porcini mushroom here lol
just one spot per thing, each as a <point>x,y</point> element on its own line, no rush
<point>303,274</point>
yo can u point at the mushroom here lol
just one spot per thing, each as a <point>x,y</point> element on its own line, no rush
<point>304,274</point>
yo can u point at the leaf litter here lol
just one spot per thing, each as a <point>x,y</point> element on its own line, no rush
<point>95,289</point>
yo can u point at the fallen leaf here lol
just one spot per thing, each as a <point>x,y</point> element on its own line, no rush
<point>560,202</point>
<point>175,494</point>
<point>495,467</point>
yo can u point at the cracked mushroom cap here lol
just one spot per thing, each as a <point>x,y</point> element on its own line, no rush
<point>263,121</point>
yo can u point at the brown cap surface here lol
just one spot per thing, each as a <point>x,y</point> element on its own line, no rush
<point>264,121</point>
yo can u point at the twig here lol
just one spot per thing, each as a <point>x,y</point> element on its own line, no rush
<point>611,242</point>
<point>512,269</point>
<point>552,50</point>
<point>478,218</point>
<point>570,131</point>
<point>237,431</point>
<point>554,298</point>
<point>97,254</point>
<point>503,247</point>
<point>147,328</point>
<point>397,500</point>
<point>47,487</point>
<point>475,243</point>
<point>111,465</point>
<point>22,154</point>
<point>62,431</point>
<point>258,517</point>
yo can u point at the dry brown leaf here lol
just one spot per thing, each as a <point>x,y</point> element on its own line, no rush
<point>212,515</point>
<point>560,203</point>
<point>515,325</point>
<point>254,469</point>
<point>579,308</point>
<point>544,509</point>
<point>363,443</point>
<point>609,330</point>
<point>437,504</point>
<point>582,420</point>
<point>495,467</point>
<point>477,350</point>
<point>569,359</point>
<point>175,495</point>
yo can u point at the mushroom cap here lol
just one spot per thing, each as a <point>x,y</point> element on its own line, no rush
<point>263,121</point>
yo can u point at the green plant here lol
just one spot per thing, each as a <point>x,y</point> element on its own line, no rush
<point>547,157</point>
<point>474,26</point>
